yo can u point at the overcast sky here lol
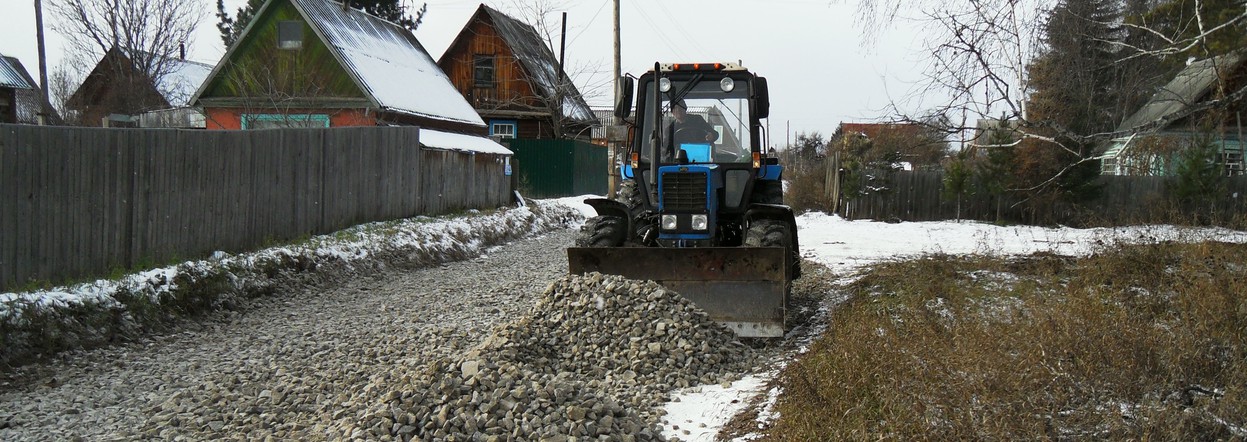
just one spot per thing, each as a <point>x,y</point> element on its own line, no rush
<point>820,70</point>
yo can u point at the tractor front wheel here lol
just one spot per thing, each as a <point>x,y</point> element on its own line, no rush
<point>603,231</point>
<point>774,233</point>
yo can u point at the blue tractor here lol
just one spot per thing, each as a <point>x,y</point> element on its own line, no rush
<point>700,206</point>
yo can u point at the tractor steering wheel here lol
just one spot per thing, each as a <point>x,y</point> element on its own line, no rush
<point>690,134</point>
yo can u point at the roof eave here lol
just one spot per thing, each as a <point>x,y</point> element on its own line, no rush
<point>480,124</point>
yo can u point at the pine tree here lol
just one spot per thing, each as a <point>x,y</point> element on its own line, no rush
<point>1199,180</point>
<point>1073,78</point>
<point>995,175</point>
<point>1074,93</point>
<point>957,176</point>
<point>1138,73</point>
<point>1177,20</point>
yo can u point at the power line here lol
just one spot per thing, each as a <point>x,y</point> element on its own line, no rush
<point>591,20</point>
<point>687,37</point>
<point>660,32</point>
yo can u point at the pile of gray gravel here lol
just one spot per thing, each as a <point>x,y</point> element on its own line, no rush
<point>594,359</point>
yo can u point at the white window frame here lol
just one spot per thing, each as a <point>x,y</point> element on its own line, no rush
<point>496,124</point>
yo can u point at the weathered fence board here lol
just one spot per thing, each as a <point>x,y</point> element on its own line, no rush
<point>78,202</point>
<point>918,196</point>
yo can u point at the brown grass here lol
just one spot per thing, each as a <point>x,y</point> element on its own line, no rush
<point>1136,342</point>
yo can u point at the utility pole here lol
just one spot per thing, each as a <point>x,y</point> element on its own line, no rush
<point>612,145</point>
<point>43,63</point>
<point>563,88</point>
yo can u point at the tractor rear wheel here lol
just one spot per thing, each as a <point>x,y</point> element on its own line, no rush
<point>603,231</point>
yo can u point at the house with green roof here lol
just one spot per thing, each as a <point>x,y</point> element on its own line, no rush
<point>319,63</point>
<point>1200,105</point>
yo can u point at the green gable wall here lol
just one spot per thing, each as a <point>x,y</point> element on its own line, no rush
<point>258,70</point>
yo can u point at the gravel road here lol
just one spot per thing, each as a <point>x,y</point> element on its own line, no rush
<point>317,362</point>
<point>284,367</point>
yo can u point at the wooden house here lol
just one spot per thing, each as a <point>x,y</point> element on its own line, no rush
<point>317,63</point>
<point>1179,115</point>
<point>120,93</point>
<point>20,97</point>
<point>508,73</point>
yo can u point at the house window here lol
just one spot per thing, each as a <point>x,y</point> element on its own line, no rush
<point>1108,166</point>
<point>289,34</point>
<point>1233,162</point>
<point>483,71</point>
<point>502,128</point>
<point>282,121</point>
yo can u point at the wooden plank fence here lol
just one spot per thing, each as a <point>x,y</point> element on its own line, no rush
<point>78,202</point>
<point>918,196</point>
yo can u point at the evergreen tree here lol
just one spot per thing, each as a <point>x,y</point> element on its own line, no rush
<point>1139,72</point>
<point>1178,21</point>
<point>1074,94</point>
<point>391,10</point>
<point>1073,78</point>
<point>230,28</point>
<point>996,174</point>
<point>1199,179</point>
<point>957,176</point>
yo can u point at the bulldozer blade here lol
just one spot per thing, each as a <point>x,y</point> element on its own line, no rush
<point>743,288</point>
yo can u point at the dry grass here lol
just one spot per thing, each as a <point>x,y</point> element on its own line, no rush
<point>1136,342</point>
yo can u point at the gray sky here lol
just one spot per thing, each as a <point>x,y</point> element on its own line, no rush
<point>820,70</point>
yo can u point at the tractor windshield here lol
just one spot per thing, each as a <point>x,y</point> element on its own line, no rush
<point>699,121</point>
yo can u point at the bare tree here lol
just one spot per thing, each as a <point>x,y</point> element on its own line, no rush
<point>151,33</point>
<point>61,84</point>
<point>983,52</point>
<point>546,20</point>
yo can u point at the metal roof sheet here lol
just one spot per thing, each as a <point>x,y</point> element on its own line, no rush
<point>389,64</point>
<point>13,74</point>
<point>181,81</point>
<point>1183,91</point>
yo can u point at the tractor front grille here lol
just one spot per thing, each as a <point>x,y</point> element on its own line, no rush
<point>684,191</point>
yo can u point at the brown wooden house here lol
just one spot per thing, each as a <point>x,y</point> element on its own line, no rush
<point>316,63</point>
<point>118,92</point>
<point>507,72</point>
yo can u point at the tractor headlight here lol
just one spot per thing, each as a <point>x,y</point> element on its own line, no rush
<point>668,222</point>
<point>727,84</point>
<point>664,84</point>
<point>700,222</point>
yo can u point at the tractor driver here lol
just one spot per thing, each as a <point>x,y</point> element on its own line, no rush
<point>689,128</point>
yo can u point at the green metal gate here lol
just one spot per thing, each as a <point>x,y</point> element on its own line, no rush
<point>558,168</point>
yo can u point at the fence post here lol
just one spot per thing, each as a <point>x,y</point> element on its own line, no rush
<point>831,183</point>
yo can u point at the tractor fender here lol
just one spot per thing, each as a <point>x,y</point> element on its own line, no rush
<point>777,212</point>
<point>606,206</point>
<point>609,207</point>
